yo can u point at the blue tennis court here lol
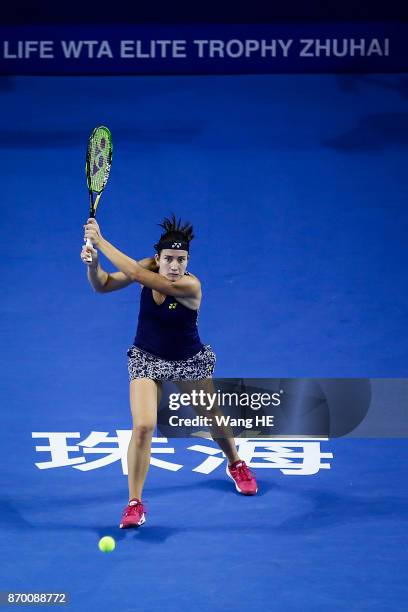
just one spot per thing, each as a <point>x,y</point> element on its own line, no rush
<point>296,186</point>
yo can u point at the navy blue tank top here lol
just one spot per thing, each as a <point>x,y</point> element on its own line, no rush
<point>168,330</point>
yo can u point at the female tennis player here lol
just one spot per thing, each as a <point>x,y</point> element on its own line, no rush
<point>167,346</point>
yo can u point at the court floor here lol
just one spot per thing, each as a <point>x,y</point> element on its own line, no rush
<point>297,189</point>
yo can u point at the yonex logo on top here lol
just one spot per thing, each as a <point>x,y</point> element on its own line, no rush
<point>176,245</point>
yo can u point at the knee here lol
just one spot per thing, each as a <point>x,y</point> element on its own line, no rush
<point>142,432</point>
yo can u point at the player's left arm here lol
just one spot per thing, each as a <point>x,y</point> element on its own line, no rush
<point>188,286</point>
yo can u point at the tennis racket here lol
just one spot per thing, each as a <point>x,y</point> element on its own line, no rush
<point>97,167</point>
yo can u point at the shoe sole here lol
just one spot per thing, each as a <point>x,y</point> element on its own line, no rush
<point>237,487</point>
<point>142,520</point>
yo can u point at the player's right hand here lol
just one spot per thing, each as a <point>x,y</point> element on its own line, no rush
<point>88,251</point>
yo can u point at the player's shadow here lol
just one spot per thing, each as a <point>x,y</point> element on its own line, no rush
<point>155,534</point>
<point>12,518</point>
<point>214,484</point>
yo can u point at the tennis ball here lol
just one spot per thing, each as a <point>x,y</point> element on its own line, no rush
<point>107,544</point>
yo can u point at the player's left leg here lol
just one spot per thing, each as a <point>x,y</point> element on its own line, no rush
<point>223,435</point>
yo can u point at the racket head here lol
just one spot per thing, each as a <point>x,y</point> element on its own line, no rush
<point>98,159</point>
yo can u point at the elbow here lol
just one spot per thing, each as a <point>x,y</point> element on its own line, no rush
<point>102,288</point>
<point>95,289</point>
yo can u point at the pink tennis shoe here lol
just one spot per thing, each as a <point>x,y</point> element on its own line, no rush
<point>245,481</point>
<point>134,514</point>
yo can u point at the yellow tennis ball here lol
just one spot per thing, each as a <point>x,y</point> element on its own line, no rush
<point>107,544</point>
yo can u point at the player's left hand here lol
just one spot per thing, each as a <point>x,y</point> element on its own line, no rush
<point>93,232</point>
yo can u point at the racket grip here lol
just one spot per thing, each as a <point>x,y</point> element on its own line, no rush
<point>89,243</point>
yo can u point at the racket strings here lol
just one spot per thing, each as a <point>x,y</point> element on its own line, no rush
<point>99,159</point>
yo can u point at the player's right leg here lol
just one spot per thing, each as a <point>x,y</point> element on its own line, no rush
<point>144,399</point>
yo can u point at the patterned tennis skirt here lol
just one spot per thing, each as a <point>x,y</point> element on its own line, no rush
<point>145,365</point>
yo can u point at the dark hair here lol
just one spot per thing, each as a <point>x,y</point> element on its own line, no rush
<point>174,230</point>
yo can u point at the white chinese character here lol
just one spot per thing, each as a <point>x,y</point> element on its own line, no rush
<point>59,449</point>
<point>293,457</point>
<point>117,450</point>
<point>211,463</point>
<point>114,452</point>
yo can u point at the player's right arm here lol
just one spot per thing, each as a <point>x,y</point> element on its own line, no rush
<point>105,282</point>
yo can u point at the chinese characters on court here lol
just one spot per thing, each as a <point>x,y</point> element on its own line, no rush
<point>303,457</point>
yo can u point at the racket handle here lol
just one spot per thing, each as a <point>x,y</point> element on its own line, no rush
<point>89,243</point>
<point>93,208</point>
